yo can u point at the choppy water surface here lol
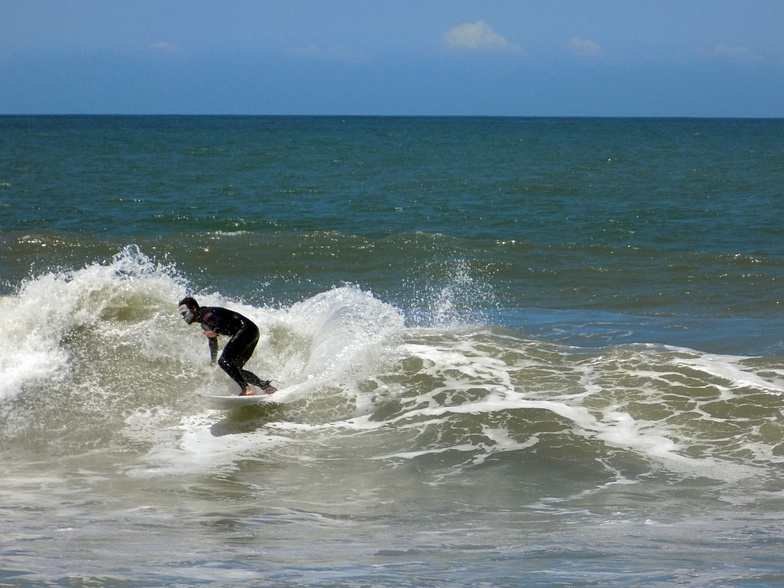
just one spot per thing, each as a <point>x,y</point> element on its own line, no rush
<point>510,351</point>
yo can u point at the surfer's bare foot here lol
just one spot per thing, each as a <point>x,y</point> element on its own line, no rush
<point>247,392</point>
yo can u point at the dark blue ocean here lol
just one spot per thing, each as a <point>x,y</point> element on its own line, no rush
<point>510,352</point>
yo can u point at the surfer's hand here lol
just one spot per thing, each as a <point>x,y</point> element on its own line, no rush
<point>210,334</point>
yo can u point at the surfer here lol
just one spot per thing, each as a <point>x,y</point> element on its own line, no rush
<point>244,336</point>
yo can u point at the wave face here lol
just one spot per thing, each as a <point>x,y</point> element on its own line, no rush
<point>100,346</point>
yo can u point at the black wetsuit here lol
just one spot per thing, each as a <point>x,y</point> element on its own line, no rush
<point>244,337</point>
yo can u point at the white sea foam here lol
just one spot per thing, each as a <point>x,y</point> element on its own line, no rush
<point>51,307</point>
<point>341,358</point>
<point>457,367</point>
<point>730,369</point>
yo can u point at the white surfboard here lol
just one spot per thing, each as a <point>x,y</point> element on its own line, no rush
<point>225,402</point>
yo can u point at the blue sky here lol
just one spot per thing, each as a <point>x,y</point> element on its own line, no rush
<point>712,58</point>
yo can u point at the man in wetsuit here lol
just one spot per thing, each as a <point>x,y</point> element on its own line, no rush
<point>244,337</point>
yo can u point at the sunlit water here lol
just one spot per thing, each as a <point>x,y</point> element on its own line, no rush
<point>510,352</point>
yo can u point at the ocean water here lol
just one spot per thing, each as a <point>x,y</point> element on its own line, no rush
<point>511,352</point>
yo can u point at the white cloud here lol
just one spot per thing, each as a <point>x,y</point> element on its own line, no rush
<point>477,36</point>
<point>736,53</point>
<point>584,47</point>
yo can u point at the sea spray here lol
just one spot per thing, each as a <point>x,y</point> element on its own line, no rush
<point>450,293</point>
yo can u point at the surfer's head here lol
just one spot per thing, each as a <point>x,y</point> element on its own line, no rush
<point>189,309</point>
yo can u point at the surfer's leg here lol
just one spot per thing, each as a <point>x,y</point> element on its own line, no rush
<point>232,370</point>
<point>251,339</point>
<point>253,379</point>
<point>236,353</point>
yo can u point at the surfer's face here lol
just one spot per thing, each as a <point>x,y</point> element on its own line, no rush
<point>187,314</point>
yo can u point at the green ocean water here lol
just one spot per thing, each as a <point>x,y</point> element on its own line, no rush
<point>510,351</point>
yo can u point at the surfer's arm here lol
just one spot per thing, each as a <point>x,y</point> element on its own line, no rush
<point>208,329</point>
<point>213,340</point>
